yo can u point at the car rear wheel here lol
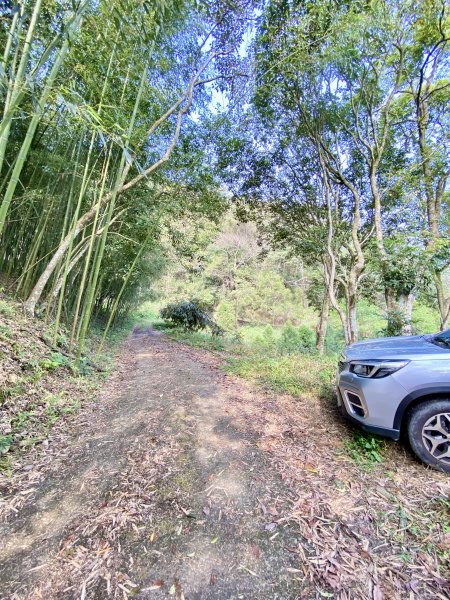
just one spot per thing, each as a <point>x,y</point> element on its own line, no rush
<point>429,433</point>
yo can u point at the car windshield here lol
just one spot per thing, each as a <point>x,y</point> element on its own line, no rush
<point>441,339</point>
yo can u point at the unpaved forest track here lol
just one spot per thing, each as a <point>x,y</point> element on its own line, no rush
<point>183,482</point>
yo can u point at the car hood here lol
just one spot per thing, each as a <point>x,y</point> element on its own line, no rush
<point>395,347</point>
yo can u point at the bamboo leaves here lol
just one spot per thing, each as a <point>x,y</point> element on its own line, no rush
<point>13,100</point>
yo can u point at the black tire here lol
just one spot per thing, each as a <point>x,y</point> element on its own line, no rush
<point>429,433</point>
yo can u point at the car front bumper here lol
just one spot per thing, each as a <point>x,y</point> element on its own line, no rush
<point>365,423</point>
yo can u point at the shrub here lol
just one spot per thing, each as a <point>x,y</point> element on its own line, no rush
<point>225,315</point>
<point>288,341</point>
<point>266,339</point>
<point>334,340</point>
<point>190,317</point>
<point>7,309</point>
<point>307,338</point>
<point>54,362</point>
<point>296,339</point>
<point>365,449</point>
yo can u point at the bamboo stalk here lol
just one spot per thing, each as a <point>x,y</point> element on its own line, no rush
<point>95,203</point>
<point>8,46</point>
<point>16,85</point>
<point>122,289</point>
<point>89,253</point>
<point>24,150</point>
<point>90,293</point>
<point>71,234</point>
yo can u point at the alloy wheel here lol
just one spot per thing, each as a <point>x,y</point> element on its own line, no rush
<point>436,436</point>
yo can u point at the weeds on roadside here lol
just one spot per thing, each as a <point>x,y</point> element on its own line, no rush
<point>5,442</point>
<point>7,309</point>
<point>365,449</point>
<point>6,467</point>
<point>294,374</point>
<point>198,339</point>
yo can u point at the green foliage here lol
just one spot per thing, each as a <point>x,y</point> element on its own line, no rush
<point>189,316</point>
<point>406,268</point>
<point>6,466</point>
<point>365,449</point>
<point>58,405</point>
<point>315,291</point>
<point>334,340</point>
<point>371,318</point>
<point>266,339</point>
<point>225,315</point>
<point>396,321</point>
<point>425,319</point>
<point>83,366</point>
<point>202,339</point>
<point>5,442</point>
<point>298,375</point>
<point>296,339</point>
<point>56,361</point>
<point>6,309</point>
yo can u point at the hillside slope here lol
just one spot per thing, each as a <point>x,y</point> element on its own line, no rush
<point>41,387</point>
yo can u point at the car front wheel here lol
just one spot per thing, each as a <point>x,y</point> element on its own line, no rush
<point>429,433</point>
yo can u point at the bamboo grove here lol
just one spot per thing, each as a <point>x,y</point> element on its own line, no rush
<point>95,101</point>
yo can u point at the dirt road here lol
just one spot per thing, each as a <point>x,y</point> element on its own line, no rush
<point>182,482</point>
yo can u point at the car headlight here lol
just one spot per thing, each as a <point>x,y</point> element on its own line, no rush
<point>376,369</point>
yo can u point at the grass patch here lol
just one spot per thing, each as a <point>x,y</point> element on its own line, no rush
<point>7,309</point>
<point>295,374</point>
<point>200,339</point>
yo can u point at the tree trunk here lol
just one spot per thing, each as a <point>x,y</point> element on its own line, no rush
<point>322,325</point>
<point>433,196</point>
<point>33,299</point>
<point>353,330</point>
<point>443,302</point>
<point>406,304</point>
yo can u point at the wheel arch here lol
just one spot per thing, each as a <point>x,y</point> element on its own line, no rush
<point>417,397</point>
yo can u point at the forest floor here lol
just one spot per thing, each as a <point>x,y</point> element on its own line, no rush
<point>182,481</point>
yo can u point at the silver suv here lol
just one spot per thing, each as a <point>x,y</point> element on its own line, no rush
<point>401,384</point>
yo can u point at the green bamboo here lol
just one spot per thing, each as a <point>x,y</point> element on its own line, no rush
<point>17,82</point>
<point>122,289</point>
<point>97,212</point>
<point>20,90</point>
<point>27,272</point>
<point>40,231</point>
<point>67,211</point>
<point>90,294</point>
<point>82,190</point>
<point>89,253</point>
<point>35,120</point>
<point>9,41</point>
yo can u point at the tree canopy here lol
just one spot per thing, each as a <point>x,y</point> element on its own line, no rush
<point>325,123</point>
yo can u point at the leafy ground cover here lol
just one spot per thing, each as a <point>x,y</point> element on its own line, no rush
<point>377,463</point>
